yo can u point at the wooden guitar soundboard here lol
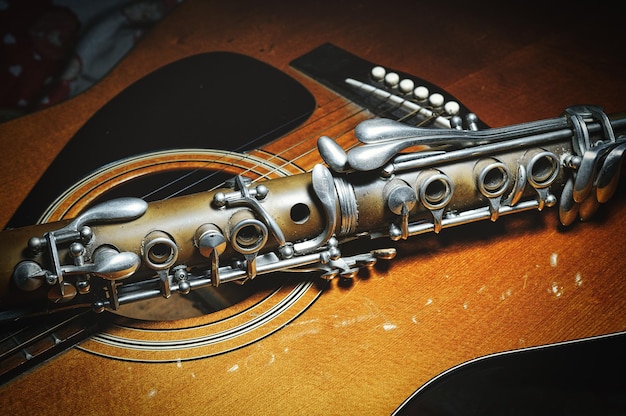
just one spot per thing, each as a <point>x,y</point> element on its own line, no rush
<point>362,348</point>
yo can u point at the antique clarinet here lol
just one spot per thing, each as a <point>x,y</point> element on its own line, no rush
<point>399,182</point>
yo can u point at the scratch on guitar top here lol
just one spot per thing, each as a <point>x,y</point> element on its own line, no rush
<point>429,302</point>
<point>506,294</point>
<point>304,322</point>
<point>389,326</point>
<point>233,368</point>
<point>554,259</point>
<point>308,326</point>
<point>556,290</point>
<point>152,393</point>
<point>373,312</point>
<point>578,280</point>
<point>352,321</point>
<point>179,363</point>
<point>312,331</point>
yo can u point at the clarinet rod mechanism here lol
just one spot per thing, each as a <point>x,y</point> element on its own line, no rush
<point>400,182</point>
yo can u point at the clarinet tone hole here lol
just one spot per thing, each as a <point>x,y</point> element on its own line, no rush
<point>543,169</point>
<point>159,250</point>
<point>300,213</point>
<point>248,236</point>
<point>436,191</point>
<point>493,180</point>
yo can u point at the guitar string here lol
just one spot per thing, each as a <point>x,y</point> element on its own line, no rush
<point>278,155</point>
<point>401,119</point>
<point>260,137</point>
<point>23,345</point>
<point>235,151</point>
<point>349,130</point>
<point>269,159</point>
<point>380,114</point>
<point>399,105</point>
<point>244,156</point>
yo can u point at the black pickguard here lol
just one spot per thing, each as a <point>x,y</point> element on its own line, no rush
<point>217,100</point>
<point>579,378</point>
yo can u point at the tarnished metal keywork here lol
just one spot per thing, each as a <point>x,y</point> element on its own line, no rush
<point>399,182</point>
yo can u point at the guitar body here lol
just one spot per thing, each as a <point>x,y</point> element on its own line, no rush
<point>295,345</point>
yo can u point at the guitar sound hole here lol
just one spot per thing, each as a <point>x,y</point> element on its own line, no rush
<point>200,301</point>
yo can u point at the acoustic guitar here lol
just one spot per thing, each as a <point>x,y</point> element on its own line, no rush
<point>521,314</point>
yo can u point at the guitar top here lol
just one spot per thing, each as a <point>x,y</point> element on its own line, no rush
<point>298,345</point>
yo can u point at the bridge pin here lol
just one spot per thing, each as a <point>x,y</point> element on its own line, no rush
<point>378,73</point>
<point>452,108</point>
<point>392,79</point>
<point>406,86</point>
<point>436,100</point>
<point>421,93</point>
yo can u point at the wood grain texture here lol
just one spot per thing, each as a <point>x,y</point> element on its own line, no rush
<point>362,349</point>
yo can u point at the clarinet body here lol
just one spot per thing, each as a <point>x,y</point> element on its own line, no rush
<point>400,182</point>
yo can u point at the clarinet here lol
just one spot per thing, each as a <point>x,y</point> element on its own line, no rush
<point>401,181</point>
